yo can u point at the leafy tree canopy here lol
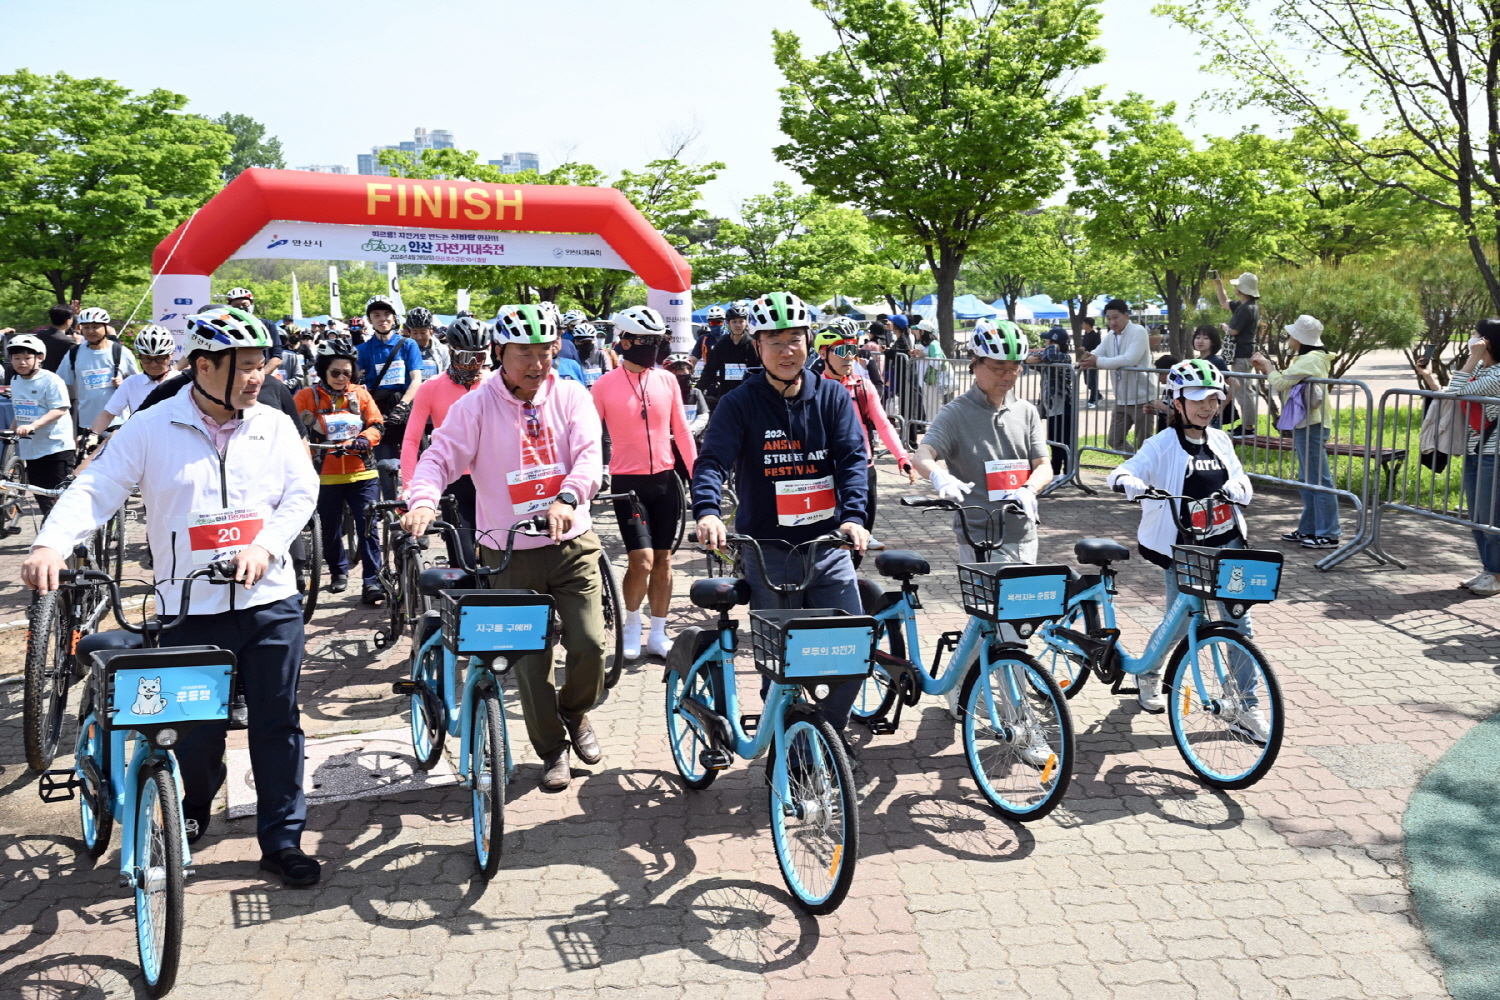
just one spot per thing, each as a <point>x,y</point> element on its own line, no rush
<point>252,148</point>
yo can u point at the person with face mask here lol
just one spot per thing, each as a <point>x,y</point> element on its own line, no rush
<point>694,406</point>
<point>640,406</point>
<point>728,361</point>
<point>418,327</point>
<point>591,358</point>
<point>1191,458</point>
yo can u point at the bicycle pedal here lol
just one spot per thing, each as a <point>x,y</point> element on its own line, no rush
<point>881,727</point>
<point>50,789</point>
<point>714,760</point>
<point>404,687</point>
<point>749,723</point>
<point>380,641</point>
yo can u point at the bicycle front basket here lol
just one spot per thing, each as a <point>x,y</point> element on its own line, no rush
<point>807,646</point>
<point>476,622</point>
<point>1010,593</point>
<point>163,691</point>
<point>1235,576</point>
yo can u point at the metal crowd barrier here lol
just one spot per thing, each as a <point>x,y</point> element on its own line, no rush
<point>1440,495</point>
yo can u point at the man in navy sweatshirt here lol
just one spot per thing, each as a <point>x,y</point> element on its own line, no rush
<point>798,457</point>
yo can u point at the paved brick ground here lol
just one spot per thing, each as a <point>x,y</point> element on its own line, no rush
<point>1143,884</point>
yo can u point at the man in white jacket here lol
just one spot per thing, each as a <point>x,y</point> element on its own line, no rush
<point>1126,345</point>
<point>222,477</point>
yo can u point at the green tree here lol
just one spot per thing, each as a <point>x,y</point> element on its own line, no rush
<point>1083,270</point>
<point>1431,70</point>
<point>1452,294</point>
<point>1016,259</point>
<point>93,176</point>
<point>941,117</point>
<point>800,243</point>
<point>1361,308</point>
<point>251,147</point>
<point>1176,210</point>
<point>897,271</point>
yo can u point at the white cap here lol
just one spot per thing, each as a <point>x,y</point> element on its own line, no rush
<point>1306,331</point>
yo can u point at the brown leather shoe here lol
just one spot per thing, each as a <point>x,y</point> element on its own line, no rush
<point>557,770</point>
<point>585,743</point>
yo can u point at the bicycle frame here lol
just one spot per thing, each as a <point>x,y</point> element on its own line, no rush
<point>974,640</point>
<point>458,711</point>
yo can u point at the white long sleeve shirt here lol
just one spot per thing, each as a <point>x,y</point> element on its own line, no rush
<point>200,503</point>
<point>1130,348</point>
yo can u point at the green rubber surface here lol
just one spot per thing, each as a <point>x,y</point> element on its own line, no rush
<point>1452,828</point>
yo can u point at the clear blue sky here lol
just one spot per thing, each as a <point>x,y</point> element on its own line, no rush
<point>602,81</point>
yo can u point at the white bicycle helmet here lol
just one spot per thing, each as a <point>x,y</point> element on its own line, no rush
<point>715,313</point>
<point>1196,379</point>
<point>528,324</point>
<point>94,315</point>
<point>155,341</point>
<point>26,342</point>
<point>1002,341</point>
<point>779,311</point>
<point>678,359</point>
<point>585,331</point>
<point>572,318</point>
<point>640,321</point>
<point>239,293</point>
<point>225,328</point>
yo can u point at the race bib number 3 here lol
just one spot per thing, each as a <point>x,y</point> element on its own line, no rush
<point>1004,474</point>
<point>219,534</point>
<point>395,375</point>
<point>533,489</point>
<point>804,501</point>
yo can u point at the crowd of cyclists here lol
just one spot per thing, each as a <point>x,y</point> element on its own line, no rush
<point>529,416</point>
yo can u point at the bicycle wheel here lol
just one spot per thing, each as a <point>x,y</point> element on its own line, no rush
<point>114,545</point>
<point>816,827</point>
<point>1069,669</point>
<point>487,757</point>
<point>877,695</point>
<point>614,623</point>
<point>95,812</point>
<point>684,733</point>
<point>49,645</point>
<point>12,471</point>
<point>1022,755</point>
<point>310,576</point>
<point>428,727</point>
<point>351,537</point>
<point>158,889</point>
<point>417,603</point>
<point>1230,732</point>
<point>684,512</point>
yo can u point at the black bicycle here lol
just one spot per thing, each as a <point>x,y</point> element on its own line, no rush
<point>402,561</point>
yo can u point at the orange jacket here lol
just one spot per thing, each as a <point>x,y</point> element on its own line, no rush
<point>317,405</point>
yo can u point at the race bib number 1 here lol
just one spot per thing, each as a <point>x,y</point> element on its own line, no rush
<point>533,488</point>
<point>804,501</point>
<point>219,534</point>
<point>1005,474</point>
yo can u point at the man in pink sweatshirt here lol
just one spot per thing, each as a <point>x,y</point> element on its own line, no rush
<point>531,443</point>
<point>641,406</point>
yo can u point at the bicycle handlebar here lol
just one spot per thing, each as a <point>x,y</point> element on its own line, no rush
<point>6,484</point>
<point>832,538</point>
<point>1204,505</point>
<point>992,518</point>
<point>535,527</point>
<point>218,572</point>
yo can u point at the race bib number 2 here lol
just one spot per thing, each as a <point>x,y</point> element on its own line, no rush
<point>220,534</point>
<point>533,488</point>
<point>804,501</point>
<point>1005,474</point>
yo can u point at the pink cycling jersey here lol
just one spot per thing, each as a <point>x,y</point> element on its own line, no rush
<point>867,404</point>
<point>643,447</point>
<point>432,401</point>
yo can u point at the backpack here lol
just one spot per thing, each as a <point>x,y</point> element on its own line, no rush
<point>117,351</point>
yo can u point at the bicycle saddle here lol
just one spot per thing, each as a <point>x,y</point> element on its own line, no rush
<point>391,465</point>
<point>1099,551</point>
<point>438,578</point>
<point>901,563</point>
<point>96,642</point>
<point>719,593</point>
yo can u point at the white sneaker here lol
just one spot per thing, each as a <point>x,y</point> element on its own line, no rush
<point>1487,587</point>
<point>632,637</point>
<point>1038,751</point>
<point>1250,721</point>
<point>1151,698</point>
<point>658,644</point>
<point>1475,580</point>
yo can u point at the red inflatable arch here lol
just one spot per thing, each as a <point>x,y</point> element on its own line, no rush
<point>438,221</point>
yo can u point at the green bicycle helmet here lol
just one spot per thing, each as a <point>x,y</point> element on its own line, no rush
<point>528,324</point>
<point>779,311</point>
<point>1002,341</point>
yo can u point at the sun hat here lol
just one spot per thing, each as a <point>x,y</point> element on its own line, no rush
<point>1306,331</point>
<point>1247,283</point>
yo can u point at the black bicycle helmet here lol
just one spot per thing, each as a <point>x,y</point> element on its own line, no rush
<point>418,317</point>
<point>468,334</point>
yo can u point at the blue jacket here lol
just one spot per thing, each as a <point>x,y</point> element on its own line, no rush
<point>373,354</point>
<point>568,368</point>
<point>768,441</point>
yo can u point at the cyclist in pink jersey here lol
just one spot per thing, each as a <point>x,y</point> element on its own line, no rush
<point>641,407</point>
<point>838,346</point>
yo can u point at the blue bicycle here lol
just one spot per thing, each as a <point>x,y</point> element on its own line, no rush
<point>488,630</point>
<point>139,703</point>
<point>805,654</point>
<point>1223,699</point>
<point>1017,729</point>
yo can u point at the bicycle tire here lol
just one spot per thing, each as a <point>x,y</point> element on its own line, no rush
<point>312,583</point>
<point>158,890</point>
<point>351,539</point>
<point>95,819</point>
<point>418,603</point>
<point>684,512</point>
<point>1070,673</point>
<point>826,814</point>
<point>1012,795</point>
<point>614,622</point>
<point>48,676</point>
<point>12,469</point>
<point>1182,699</point>
<point>428,727</point>
<point>488,788</point>
<point>684,738</point>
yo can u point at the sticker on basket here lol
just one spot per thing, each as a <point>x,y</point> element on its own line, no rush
<point>1032,597</point>
<point>1247,579</point>
<point>1223,514</point>
<point>497,628</point>
<point>1005,474</point>
<point>156,695</point>
<point>804,501</point>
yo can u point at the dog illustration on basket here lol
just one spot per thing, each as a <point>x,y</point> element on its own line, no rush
<point>148,699</point>
<point>1236,580</point>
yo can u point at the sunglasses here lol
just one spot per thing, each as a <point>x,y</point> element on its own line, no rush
<point>339,373</point>
<point>533,422</point>
<point>468,357</point>
<point>846,350</point>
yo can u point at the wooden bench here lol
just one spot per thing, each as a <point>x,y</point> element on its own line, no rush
<point>1390,459</point>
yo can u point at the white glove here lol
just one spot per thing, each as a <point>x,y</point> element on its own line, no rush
<point>1133,487</point>
<point>949,486</point>
<point>1025,498</point>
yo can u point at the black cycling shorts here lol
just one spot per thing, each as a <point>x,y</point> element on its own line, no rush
<point>660,505</point>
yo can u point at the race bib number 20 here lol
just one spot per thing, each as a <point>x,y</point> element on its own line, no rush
<point>219,534</point>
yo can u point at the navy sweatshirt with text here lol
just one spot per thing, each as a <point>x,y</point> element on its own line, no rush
<point>787,455</point>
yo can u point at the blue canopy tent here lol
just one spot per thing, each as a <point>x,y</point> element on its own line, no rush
<point>964,307</point>
<point>1043,308</point>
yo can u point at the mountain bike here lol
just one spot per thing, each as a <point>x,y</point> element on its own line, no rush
<point>805,654</point>
<point>13,472</point>
<point>402,563</point>
<point>1223,699</point>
